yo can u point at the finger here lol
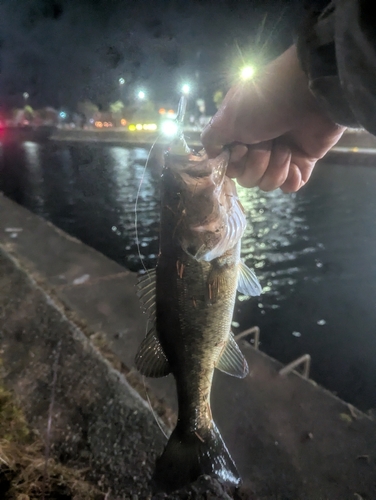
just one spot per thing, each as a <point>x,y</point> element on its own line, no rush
<point>293,181</point>
<point>299,174</point>
<point>238,152</point>
<point>218,132</point>
<point>235,170</point>
<point>237,160</point>
<point>278,168</point>
<point>212,140</point>
<point>224,128</point>
<point>254,165</point>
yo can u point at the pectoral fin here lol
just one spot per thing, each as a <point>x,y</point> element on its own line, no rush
<point>233,229</point>
<point>232,360</point>
<point>248,284</point>
<point>150,360</point>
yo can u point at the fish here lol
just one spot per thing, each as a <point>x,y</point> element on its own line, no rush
<point>189,299</point>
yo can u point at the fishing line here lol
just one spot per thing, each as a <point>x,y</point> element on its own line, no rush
<point>147,397</point>
<point>152,410</point>
<point>181,110</point>
<point>136,203</point>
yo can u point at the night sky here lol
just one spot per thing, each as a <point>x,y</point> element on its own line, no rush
<point>65,51</point>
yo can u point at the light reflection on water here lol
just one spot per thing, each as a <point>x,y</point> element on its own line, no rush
<point>35,176</point>
<point>274,235</point>
<point>132,178</point>
<point>314,252</point>
<point>32,154</point>
<point>275,238</point>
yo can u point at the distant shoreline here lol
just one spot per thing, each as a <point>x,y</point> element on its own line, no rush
<point>356,146</point>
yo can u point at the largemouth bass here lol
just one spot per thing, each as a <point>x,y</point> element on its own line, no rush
<point>190,298</point>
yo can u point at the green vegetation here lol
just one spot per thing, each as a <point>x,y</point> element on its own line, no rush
<point>24,472</point>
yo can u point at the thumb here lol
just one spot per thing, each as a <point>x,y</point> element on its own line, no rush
<point>213,137</point>
<point>219,131</point>
<point>231,123</point>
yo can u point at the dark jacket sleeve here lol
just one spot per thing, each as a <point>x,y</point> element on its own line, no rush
<point>337,49</point>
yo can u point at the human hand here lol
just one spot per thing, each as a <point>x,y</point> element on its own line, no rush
<point>275,126</point>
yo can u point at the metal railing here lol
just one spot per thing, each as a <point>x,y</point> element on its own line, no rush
<point>255,330</point>
<point>304,360</point>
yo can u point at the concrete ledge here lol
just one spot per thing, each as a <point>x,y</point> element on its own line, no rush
<point>354,147</point>
<point>290,438</point>
<point>98,419</point>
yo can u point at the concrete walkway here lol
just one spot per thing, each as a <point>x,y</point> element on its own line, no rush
<point>289,438</point>
<point>99,422</point>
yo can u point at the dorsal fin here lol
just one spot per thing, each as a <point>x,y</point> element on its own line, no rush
<point>248,284</point>
<point>150,359</point>
<point>232,360</point>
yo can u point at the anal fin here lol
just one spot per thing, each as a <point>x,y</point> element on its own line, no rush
<point>232,360</point>
<point>150,360</point>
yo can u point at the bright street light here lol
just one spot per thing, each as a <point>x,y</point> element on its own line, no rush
<point>186,89</point>
<point>121,81</point>
<point>141,94</point>
<point>247,72</point>
<point>169,128</point>
<point>25,96</point>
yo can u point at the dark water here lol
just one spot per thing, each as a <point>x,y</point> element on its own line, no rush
<point>314,252</point>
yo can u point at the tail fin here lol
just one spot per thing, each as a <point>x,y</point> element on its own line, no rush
<point>188,456</point>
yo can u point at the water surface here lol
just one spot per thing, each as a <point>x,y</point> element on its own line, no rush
<point>313,251</point>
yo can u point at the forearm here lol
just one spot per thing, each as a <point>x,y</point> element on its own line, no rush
<point>337,52</point>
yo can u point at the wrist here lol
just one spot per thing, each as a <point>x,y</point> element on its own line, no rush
<point>294,91</point>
